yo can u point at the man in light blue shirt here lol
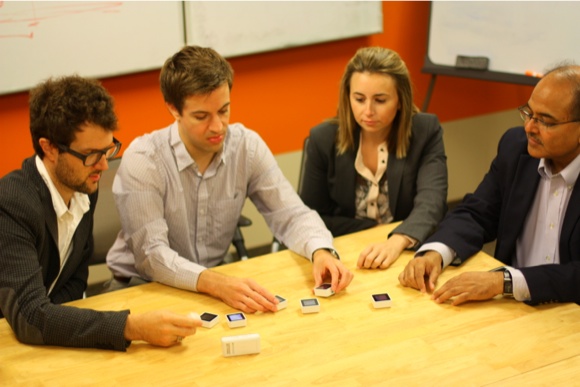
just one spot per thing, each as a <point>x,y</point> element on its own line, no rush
<point>180,191</point>
<point>529,200</point>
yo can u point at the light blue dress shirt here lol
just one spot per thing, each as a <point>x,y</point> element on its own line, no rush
<point>178,222</point>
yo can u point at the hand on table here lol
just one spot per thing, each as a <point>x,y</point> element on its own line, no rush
<point>241,293</point>
<point>161,328</point>
<point>427,267</point>
<point>327,268</point>
<point>381,255</point>
<point>470,286</point>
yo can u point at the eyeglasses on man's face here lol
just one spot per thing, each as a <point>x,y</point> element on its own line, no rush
<point>527,114</point>
<point>94,157</point>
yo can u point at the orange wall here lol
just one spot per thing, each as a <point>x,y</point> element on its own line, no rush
<point>281,94</point>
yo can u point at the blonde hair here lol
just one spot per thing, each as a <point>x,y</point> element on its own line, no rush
<point>377,60</point>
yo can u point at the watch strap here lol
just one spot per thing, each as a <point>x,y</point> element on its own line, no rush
<point>508,287</point>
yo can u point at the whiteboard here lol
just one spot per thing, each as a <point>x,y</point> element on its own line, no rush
<point>39,39</point>
<point>246,27</point>
<point>516,36</point>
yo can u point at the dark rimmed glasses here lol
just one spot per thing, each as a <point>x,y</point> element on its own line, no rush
<point>93,158</point>
<point>527,114</point>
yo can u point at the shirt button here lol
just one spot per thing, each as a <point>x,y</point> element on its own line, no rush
<point>547,259</point>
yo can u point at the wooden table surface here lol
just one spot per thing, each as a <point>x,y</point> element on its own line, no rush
<point>349,343</point>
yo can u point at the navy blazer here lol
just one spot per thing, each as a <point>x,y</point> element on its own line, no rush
<point>498,209</point>
<point>30,261</point>
<point>417,183</point>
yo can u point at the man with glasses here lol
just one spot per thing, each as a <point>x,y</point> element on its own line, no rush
<point>529,201</point>
<point>46,221</point>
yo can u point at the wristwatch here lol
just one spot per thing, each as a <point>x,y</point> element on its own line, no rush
<point>331,251</point>
<point>508,286</point>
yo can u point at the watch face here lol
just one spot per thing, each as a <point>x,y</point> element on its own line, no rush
<point>507,283</point>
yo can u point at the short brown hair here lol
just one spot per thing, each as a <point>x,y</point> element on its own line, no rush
<point>59,106</point>
<point>193,70</point>
<point>377,60</point>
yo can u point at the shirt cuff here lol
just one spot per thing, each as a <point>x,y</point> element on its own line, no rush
<point>447,253</point>
<point>520,286</point>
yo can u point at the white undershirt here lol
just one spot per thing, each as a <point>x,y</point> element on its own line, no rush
<point>67,218</point>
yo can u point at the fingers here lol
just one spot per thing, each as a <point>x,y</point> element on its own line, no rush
<point>318,276</point>
<point>380,255</point>
<point>345,278</point>
<point>447,292</point>
<point>330,269</point>
<point>249,297</point>
<point>161,328</point>
<point>365,258</point>
<point>414,275</point>
<point>433,275</point>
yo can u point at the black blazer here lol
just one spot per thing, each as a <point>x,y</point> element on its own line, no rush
<point>29,263</point>
<point>417,183</point>
<point>498,209</point>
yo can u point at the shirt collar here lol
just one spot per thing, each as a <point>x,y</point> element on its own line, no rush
<point>361,168</point>
<point>569,174</point>
<point>79,203</point>
<point>184,159</point>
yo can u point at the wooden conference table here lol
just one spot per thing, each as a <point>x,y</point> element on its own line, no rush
<point>349,343</point>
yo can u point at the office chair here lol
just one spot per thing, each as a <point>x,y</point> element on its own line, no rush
<point>107,224</point>
<point>238,240</point>
<point>276,244</point>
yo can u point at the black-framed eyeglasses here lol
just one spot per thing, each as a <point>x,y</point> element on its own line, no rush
<point>526,114</point>
<point>92,158</point>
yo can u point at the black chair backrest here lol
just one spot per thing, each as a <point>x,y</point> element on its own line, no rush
<point>106,221</point>
<point>302,165</point>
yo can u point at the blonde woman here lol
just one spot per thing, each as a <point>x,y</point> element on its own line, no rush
<point>378,161</point>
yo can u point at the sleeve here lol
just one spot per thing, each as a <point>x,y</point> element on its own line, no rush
<point>140,189</point>
<point>23,298</point>
<point>475,221</point>
<point>553,283</point>
<point>292,222</point>
<point>315,191</point>
<point>430,201</point>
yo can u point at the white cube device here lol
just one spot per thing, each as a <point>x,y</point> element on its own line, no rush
<point>310,305</point>
<point>324,290</point>
<point>282,302</point>
<point>241,345</point>
<point>209,320</point>
<point>236,320</point>
<point>381,300</point>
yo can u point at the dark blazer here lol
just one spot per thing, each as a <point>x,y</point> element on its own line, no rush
<point>417,183</point>
<point>29,263</point>
<point>498,209</point>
